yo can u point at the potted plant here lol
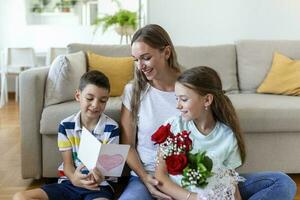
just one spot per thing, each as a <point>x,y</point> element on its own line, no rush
<point>66,5</point>
<point>124,22</point>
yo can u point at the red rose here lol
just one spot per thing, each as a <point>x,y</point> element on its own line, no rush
<point>188,144</point>
<point>184,133</point>
<point>180,140</point>
<point>161,134</point>
<point>184,139</point>
<point>176,163</point>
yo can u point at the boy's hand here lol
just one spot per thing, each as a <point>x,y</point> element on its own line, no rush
<point>84,180</point>
<point>97,176</point>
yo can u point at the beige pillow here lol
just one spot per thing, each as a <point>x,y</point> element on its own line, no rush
<point>119,70</point>
<point>283,77</point>
<point>63,77</point>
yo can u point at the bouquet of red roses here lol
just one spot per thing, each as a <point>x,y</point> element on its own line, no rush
<point>175,150</point>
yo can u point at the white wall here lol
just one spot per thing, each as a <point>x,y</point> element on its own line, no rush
<point>209,22</point>
<point>191,22</point>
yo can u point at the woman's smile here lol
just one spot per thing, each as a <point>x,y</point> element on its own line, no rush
<point>147,70</point>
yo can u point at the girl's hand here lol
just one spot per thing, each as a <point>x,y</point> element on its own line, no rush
<point>237,194</point>
<point>83,180</point>
<point>151,183</point>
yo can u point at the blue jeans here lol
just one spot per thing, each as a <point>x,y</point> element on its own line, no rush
<point>267,186</point>
<point>258,186</point>
<point>135,190</point>
<point>66,191</point>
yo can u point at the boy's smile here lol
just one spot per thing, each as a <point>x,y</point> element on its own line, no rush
<point>92,101</point>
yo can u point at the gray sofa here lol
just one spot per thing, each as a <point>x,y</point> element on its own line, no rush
<point>271,123</point>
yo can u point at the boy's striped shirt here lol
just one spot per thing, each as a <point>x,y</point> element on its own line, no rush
<point>69,133</point>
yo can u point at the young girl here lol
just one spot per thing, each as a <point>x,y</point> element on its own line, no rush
<point>210,121</point>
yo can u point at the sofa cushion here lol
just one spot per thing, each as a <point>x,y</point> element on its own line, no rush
<point>283,77</point>
<point>63,78</point>
<point>267,113</point>
<point>222,58</point>
<point>255,59</point>
<point>52,115</point>
<point>119,70</point>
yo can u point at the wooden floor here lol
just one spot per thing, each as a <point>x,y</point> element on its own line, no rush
<point>10,170</point>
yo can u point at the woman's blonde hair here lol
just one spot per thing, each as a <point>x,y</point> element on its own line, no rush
<point>204,80</point>
<point>156,37</point>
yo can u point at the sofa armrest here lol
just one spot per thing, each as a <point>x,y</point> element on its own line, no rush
<point>32,90</point>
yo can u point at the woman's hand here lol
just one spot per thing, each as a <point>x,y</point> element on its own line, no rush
<point>151,183</point>
<point>133,160</point>
<point>86,181</point>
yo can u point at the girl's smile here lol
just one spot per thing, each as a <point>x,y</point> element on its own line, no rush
<point>189,103</point>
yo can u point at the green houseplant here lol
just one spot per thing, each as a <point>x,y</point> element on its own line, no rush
<point>66,5</point>
<point>123,19</point>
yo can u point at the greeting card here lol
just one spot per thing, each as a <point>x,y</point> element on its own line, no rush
<point>108,158</point>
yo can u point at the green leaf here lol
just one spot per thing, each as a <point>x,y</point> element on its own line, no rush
<point>122,18</point>
<point>199,157</point>
<point>185,171</point>
<point>201,168</point>
<point>208,163</point>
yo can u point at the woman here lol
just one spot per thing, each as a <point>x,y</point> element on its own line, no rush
<point>149,101</point>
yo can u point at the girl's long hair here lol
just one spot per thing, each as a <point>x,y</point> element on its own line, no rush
<point>156,37</point>
<point>205,80</point>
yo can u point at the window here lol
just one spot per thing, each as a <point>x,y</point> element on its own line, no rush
<point>76,12</point>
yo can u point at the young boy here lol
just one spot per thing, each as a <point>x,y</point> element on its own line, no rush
<point>75,182</point>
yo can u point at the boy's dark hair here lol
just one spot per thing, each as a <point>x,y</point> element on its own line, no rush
<point>94,77</point>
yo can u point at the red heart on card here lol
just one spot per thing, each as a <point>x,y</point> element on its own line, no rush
<point>109,162</point>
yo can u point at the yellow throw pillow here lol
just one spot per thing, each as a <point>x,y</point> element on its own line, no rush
<point>119,70</point>
<point>283,78</point>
